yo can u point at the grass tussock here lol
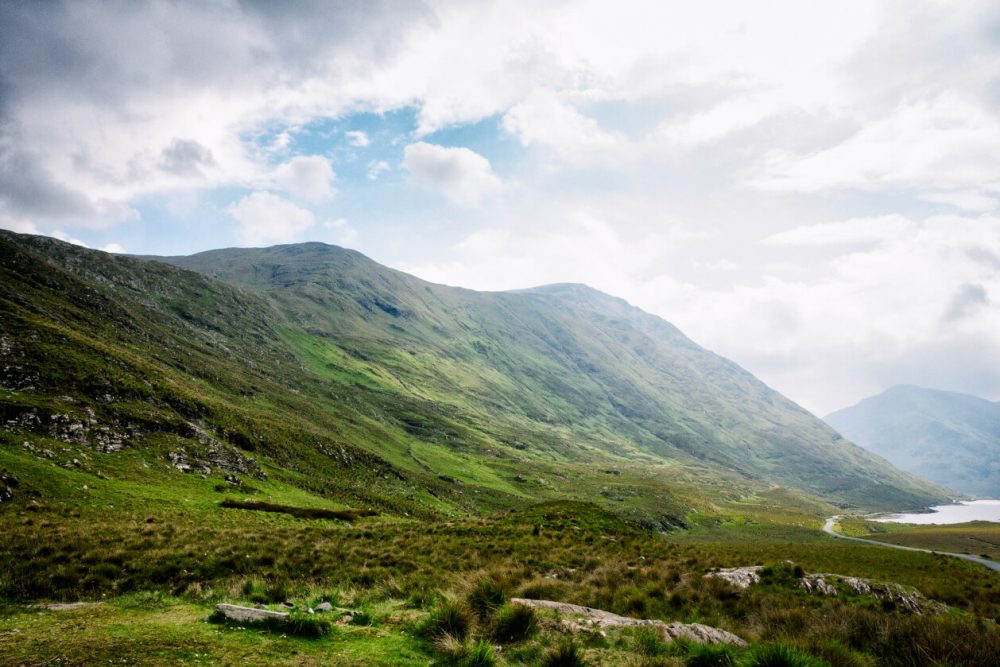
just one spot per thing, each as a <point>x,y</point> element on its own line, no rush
<point>566,654</point>
<point>514,623</point>
<point>449,619</point>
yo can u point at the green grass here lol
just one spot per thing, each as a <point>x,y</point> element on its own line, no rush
<point>416,583</point>
<point>177,632</point>
<point>979,538</point>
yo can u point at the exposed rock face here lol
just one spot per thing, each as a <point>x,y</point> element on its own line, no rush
<point>215,455</point>
<point>108,435</point>
<point>902,597</point>
<point>15,371</point>
<point>598,618</point>
<point>248,614</point>
<point>75,429</point>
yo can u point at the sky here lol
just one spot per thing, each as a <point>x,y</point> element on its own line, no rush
<point>808,188</point>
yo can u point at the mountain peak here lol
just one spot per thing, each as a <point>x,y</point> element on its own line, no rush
<point>945,436</point>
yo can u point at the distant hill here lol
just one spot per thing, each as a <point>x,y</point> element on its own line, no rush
<point>351,380</point>
<point>950,438</point>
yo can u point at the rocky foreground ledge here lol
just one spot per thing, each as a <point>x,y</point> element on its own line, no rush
<point>587,618</point>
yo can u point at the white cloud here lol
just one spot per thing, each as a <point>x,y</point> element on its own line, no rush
<point>461,175</point>
<point>267,219</point>
<point>543,119</point>
<point>906,309</point>
<point>947,142</point>
<point>281,142</point>
<point>63,236</point>
<point>343,233</point>
<point>306,176</point>
<point>115,248</point>
<point>357,138</point>
<point>376,168</point>
<point>845,232</point>
<point>974,201</point>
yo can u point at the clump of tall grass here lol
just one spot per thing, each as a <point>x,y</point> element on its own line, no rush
<point>465,653</point>
<point>486,592</point>
<point>566,654</point>
<point>450,618</point>
<point>514,623</point>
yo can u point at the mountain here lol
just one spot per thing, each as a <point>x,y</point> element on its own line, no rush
<point>315,366</point>
<point>950,438</point>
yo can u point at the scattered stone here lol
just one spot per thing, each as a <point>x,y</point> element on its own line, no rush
<point>324,606</point>
<point>613,471</point>
<point>247,614</point>
<point>598,619</point>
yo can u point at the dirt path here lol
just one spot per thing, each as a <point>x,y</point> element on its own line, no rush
<point>828,528</point>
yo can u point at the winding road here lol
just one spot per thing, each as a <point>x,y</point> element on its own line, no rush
<point>828,528</point>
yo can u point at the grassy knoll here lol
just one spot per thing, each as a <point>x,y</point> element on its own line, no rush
<point>980,538</point>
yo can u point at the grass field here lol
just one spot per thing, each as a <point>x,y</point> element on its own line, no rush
<point>159,572</point>
<point>980,538</point>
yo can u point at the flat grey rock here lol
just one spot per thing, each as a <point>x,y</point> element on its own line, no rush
<point>247,614</point>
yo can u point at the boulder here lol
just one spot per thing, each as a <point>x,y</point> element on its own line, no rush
<point>741,577</point>
<point>324,606</point>
<point>240,614</point>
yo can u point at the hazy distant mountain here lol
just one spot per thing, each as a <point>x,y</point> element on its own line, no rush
<point>950,438</point>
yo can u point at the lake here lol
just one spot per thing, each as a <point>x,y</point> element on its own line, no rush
<point>973,510</point>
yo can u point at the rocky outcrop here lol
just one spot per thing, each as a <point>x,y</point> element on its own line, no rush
<point>587,618</point>
<point>216,457</point>
<point>741,577</point>
<point>897,595</point>
<point>74,429</point>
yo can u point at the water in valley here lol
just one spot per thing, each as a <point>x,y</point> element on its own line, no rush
<point>973,510</point>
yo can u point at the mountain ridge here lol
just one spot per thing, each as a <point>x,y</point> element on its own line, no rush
<point>444,390</point>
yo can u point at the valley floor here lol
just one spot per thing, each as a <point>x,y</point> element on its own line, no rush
<point>423,591</point>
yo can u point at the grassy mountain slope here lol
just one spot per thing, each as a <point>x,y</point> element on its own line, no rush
<point>564,372</point>
<point>135,396</point>
<point>951,438</point>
